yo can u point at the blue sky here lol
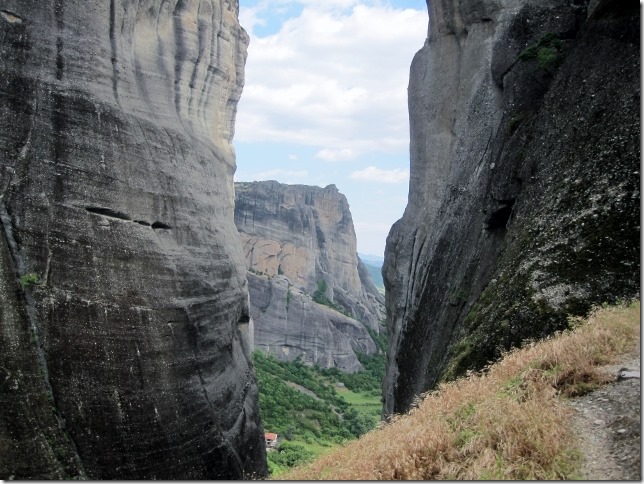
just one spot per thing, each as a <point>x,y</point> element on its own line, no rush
<point>325,101</point>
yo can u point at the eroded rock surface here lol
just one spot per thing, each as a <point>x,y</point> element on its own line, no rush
<point>300,243</point>
<point>125,351</point>
<point>524,189</point>
<point>290,325</point>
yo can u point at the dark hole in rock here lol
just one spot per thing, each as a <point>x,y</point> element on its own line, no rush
<point>244,319</point>
<point>108,212</point>
<point>499,217</point>
<point>160,225</point>
<point>143,222</point>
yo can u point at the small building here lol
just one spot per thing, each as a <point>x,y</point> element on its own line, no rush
<point>271,440</point>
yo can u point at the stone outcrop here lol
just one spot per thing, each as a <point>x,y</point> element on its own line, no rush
<point>290,325</point>
<point>125,344</point>
<point>524,189</point>
<point>306,234</point>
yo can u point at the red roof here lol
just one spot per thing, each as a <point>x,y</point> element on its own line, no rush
<point>270,436</point>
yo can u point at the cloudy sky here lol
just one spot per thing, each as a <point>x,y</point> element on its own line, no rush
<point>325,101</point>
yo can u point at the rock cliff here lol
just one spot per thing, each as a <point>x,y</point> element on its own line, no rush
<point>290,325</point>
<point>300,245</point>
<point>124,351</point>
<point>524,189</point>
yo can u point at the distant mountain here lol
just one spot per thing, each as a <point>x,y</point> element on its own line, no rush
<point>376,275</point>
<point>374,260</point>
<point>373,263</point>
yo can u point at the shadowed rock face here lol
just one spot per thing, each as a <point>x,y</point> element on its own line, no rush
<point>306,235</point>
<point>524,188</point>
<point>290,325</point>
<point>129,357</point>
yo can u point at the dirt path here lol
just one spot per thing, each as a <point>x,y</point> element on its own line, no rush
<point>607,423</point>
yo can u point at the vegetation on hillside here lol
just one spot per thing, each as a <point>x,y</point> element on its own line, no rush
<point>320,297</point>
<point>508,422</point>
<point>547,51</point>
<point>368,381</point>
<point>310,412</point>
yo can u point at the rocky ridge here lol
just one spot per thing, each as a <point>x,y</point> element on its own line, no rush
<point>125,344</point>
<point>310,294</point>
<point>524,184</point>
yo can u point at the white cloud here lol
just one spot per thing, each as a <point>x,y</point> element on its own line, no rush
<point>248,18</point>
<point>374,174</point>
<point>334,77</point>
<point>371,237</point>
<point>292,157</point>
<point>336,154</point>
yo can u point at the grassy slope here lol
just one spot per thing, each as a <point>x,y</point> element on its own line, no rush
<point>365,404</point>
<point>509,422</point>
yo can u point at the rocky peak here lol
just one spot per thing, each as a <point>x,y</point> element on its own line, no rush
<point>304,235</point>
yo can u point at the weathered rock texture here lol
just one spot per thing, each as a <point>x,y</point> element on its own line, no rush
<point>524,193</point>
<point>128,358</point>
<point>290,325</point>
<point>306,234</point>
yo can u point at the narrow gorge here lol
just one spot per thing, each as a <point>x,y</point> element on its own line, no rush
<point>137,279</point>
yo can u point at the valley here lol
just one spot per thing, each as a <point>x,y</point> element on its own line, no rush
<point>161,321</point>
<point>314,410</point>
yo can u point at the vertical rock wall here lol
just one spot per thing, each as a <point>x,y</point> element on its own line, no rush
<point>300,245</point>
<point>124,350</point>
<point>524,190</point>
<point>306,233</point>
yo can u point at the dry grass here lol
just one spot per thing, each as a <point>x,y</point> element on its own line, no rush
<point>507,423</point>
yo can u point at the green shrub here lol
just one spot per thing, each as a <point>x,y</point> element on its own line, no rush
<point>290,454</point>
<point>319,296</point>
<point>324,420</point>
<point>546,51</point>
<point>379,338</point>
<point>29,280</point>
<point>368,380</point>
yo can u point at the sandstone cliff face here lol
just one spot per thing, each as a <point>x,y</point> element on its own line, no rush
<point>524,191</point>
<point>125,350</point>
<point>306,234</point>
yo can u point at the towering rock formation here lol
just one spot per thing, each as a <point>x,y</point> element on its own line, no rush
<point>124,350</point>
<point>299,242</point>
<point>524,192</point>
